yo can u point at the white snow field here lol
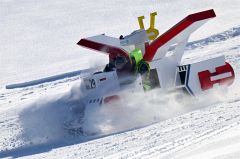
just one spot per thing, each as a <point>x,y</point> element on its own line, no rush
<point>39,55</point>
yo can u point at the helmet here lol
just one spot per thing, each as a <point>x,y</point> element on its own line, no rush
<point>120,61</point>
<point>143,67</point>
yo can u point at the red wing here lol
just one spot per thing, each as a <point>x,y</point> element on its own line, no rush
<point>178,32</point>
<point>105,44</point>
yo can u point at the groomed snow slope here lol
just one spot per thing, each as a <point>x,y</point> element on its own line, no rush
<point>31,118</point>
<point>36,128</point>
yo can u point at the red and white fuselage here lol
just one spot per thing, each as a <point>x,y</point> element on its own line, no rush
<point>166,71</point>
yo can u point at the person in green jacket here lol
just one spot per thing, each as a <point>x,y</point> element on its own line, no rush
<point>141,66</point>
<point>135,65</point>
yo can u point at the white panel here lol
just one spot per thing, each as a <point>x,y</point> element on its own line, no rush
<point>181,37</point>
<point>210,64</point>
<point>166,69</point>
<point>107,83</point>
<point>105,40</point>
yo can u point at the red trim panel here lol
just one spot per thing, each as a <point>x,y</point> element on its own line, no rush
<point>103,79</point>
<point>167,36</point>
<point>112,98</point>
<point>113,51</point>
<point>205,77</point>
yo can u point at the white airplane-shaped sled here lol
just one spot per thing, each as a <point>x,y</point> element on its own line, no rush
<point>139,62</point>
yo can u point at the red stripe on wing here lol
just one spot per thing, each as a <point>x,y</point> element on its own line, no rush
<point>175,30</point>
<point>111,50</point>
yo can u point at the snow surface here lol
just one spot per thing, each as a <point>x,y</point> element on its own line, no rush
<point>38,40</point>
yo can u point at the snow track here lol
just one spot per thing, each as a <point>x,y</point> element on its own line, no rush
<point>231,33</point>
<point>44,80</point>
<point>158,140</point>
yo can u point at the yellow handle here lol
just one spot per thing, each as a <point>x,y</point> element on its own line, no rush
<point>140,21</point>
<point>152,32</point>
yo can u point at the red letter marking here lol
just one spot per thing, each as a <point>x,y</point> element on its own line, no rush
<point>224,75</point>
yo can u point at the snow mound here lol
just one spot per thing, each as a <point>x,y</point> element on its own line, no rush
<point>139,110</point>
<point>43,121</point>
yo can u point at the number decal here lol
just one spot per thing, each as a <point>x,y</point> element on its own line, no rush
<point>90,83</point>
<point>93,83</point>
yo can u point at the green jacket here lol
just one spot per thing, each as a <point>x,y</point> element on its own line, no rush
<point>141,66</point>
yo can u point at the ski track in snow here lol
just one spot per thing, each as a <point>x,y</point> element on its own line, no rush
<point>231,33</point>
<point>161,140</point>
<point>44,80</point>
<point>171,136</point>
